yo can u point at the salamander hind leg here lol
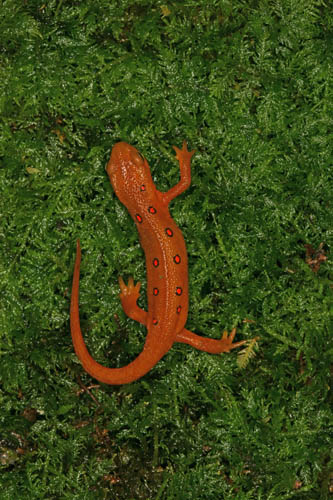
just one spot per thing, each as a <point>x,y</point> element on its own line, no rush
<point>129,296</point>
<point>213,346</point>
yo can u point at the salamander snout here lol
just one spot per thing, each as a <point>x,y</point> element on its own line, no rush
<point>123,154</point>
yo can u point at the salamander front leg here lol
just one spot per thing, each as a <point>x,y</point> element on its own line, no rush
<point>184,158</point>
<point>225,344</point>
<point>129,296</point>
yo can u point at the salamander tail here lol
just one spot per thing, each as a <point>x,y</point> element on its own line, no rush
<point>114,376</point>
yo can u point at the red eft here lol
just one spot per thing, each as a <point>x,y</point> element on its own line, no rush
<point>166,263</point>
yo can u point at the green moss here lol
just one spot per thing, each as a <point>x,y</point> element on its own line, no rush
<point>249,86</point>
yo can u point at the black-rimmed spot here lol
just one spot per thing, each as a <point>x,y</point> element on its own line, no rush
<point>142,187</point>
<point>156,291</point>
<point>179,290</point>
<point>152,210</point>
<point>156,262</point>
<point>179,308</point>
<point>169,232</point>
<point>176,259</point>
<point>138,218</point>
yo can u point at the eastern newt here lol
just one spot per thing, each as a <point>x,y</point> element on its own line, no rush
<point>166,263</point>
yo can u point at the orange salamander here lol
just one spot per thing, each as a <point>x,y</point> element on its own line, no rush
<point>166,263</point>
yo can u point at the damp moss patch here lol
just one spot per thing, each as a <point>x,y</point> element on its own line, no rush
<point>250,88</point>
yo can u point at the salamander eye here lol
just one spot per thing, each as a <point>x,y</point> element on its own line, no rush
<point>137,159</point>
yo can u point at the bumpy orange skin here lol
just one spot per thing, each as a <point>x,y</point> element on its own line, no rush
<point>166,263</point>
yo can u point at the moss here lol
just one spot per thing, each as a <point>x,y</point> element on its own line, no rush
<point>249,86</point>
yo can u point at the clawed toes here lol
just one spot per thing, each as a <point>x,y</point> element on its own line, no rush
<point>228,338</point>
<point>130,288</point>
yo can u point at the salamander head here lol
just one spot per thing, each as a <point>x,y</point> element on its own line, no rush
<point>124,155</point>
<point>128,171</point>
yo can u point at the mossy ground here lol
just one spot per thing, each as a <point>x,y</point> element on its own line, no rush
<point>249,85</point>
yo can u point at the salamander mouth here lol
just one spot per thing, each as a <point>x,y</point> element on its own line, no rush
<point>110,167</point>
<point>118,155</point>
